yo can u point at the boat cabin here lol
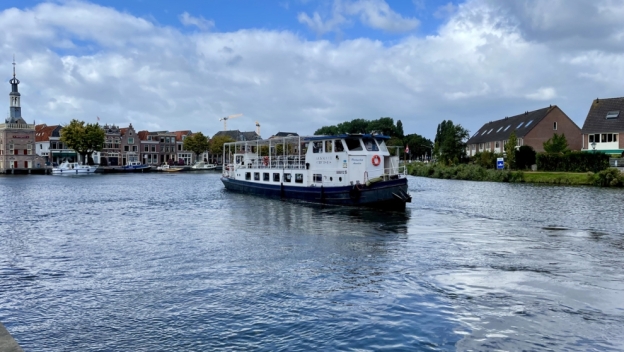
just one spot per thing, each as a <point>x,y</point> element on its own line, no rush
<point>328,161</point>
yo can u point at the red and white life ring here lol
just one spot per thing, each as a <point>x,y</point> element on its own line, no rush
<point>376,160</point>
<point>265,160</point>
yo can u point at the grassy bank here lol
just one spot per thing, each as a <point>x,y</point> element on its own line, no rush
<point>471,172</point>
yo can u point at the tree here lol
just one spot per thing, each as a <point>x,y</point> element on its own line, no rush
<point>399,129</point>
<point>419,146</point>
<point>197,143</point>
<point>510,150</point>
<point>556,144</point>
<point>450,142</point>
<point>383,125</point>
<point>525,157</point>
<point>217,142</point>
<point>84,139</point>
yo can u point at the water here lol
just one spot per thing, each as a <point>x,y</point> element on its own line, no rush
<point>175,263</point>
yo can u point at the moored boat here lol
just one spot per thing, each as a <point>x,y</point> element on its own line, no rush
<point>71,168</point>
<point>356,170</point>
<point>135,166</point>
<point>200,165</point>
<point>167,168</point>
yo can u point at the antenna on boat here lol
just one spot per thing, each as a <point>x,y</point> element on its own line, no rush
<point>257,128</point>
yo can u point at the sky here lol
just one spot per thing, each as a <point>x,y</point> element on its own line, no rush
<point>298,65</point>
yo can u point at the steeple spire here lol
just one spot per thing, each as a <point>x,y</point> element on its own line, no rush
<point>15,111</point>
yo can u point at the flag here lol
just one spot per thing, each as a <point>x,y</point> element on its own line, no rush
<point>407,149</point>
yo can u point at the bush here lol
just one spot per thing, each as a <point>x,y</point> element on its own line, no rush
<point>610,177</point>
<point>572,162</point>
<point>468,172</point>
<point>525,157</point>
<point>485,159</point>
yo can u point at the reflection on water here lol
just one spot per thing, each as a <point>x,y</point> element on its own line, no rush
<point>174,262</point>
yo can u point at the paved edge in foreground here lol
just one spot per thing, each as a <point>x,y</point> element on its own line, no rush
<point>7,342</point>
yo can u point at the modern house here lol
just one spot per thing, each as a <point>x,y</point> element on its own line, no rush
<point>532,128</point>
<point>603,126</point>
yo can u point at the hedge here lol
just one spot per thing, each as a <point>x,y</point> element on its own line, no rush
<point>572,162</point>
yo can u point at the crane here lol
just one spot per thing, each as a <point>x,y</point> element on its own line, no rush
<point>258,128</point>
<point>224,119</point>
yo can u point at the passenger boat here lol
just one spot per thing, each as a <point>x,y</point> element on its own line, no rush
<point>166,168</point>
<point>200,165</point>
<point>136,166</point>
<point>355,170</point>
<point>67,168</point>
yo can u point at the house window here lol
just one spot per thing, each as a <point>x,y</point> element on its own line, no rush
<point>298,178</point>
<point>520,125</point>
<point>265,176</point>
<point>613,114</point>
<point>287,177</point>
<point>162,139</point>
<point>147,148</point>
<point>130,140</point>
<point>498,130</point>
<point>317,178</point>
<point>256,176</point>
<point>496,144</point>
<point>480,146</point>
<point>506,128</point>
<point>603,138</point>
<point>248,176</point>
<point>276,177</point>
<point>179,146</point>
<point>134,148</point>
<point>487,146</point>
<point>528,123</point>
<point>591,138</point>
<point>126,148</point>
<point>555,126</point>
<point>153,148</point>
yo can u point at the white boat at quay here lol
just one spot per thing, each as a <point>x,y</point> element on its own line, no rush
<point>200,165</point>
<point>355,170</point>
<point>67,168</point>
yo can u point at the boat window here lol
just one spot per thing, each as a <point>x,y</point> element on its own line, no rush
<point>370,144</point>
<point>287,177</point>
<point>276,177</point>
<point>257,176</point>
<point>382,145</point>
<point>248,176</point>
<point>338,146</point>
<point>265,176</point>
<point>328,146</point>
<point>298,178</point>
<point>317,178</point>
<point>317,147</point>
<point>353,144</point>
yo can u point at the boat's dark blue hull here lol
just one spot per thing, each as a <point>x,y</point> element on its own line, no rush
<point>391,194</point>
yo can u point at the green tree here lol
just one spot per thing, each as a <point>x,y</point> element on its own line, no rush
<point>525,157</point>
<point>450,142</point>
<point>84,139</point>
<point>419,146</point>
<point>217,142</point>
<point>197,143</point>
<point>556,144</point>
<point>399,129</point>
<point>327,131</point>
<point>510,150</point>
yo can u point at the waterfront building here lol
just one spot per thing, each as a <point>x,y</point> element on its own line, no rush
<point>185,155</point>
<point>284,134</point>
<point>149,147</point>
<point>532,128</point>
<point>130,144</point>
<point>111,152</point>
<point>17,138</point>
<point>603,126</point>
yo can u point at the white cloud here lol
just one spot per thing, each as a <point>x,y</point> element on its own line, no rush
<point>199,22</point>
<point>79,60</point>
<point>376,14</point>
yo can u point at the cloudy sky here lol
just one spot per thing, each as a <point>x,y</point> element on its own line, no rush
<point>297,65</point>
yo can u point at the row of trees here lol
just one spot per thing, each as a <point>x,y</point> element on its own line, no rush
<point>418,145</point>
<point>87,138</point>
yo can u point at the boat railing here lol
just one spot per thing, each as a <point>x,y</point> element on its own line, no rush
<point>278,162</point>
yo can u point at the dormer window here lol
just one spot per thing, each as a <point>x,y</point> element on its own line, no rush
<point>613,114</point>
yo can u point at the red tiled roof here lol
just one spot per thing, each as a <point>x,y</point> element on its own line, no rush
<point>143,135</point>
<point>179,134</point>
<point>43,132</point>
<point>122,131</point>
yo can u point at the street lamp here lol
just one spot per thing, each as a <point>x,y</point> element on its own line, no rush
<point>593,145</point>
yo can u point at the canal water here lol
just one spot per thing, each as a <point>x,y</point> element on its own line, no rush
<point>173,262</point>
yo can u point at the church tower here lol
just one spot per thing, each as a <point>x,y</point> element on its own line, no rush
<point>17,138</point>
<point>15,111</point>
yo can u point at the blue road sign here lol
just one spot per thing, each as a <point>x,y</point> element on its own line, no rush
<point>500,163</point>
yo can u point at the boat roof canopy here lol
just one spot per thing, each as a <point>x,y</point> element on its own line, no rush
<point>320,138</point>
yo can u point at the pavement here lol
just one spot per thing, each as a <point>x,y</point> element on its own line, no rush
<point>7,342</point>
